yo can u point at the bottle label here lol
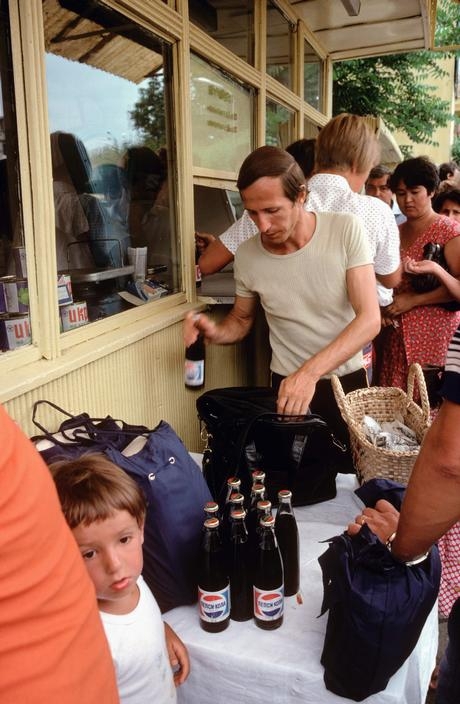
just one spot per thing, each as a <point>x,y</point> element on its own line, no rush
<point>194,372</point>
<point>268,605</point>
<point>214,607</point>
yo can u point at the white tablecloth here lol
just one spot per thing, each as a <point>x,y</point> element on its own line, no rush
<point>247,665</point>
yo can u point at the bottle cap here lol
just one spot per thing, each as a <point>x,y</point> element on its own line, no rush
<point>258,475</point>
<point>285,494</point>
<point>234,481</point>
<point>236,498</point>
<point>211,507</point>
<point>267,521</point>
<point>264,505</point>
<point>211,523</point>
<point>238,513</point>
<point>258,488</point>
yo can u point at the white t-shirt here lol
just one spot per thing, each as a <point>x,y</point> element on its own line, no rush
<point>332,193</point>
<point>138,646</point>
<point>304,294</point>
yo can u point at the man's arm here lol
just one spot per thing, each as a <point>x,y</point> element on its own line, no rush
<point>233,328</point>
<point>296,391</point>
<point>390,280</point>
<point>432,501</point>
<point>214,257</point>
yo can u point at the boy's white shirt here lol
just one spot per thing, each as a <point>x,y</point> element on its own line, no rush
<point>138,646</point>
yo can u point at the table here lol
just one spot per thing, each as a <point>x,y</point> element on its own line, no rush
<point>250,666</point>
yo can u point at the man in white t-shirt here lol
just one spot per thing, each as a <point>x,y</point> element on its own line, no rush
<point>346,150</point>
<point>314,277</point>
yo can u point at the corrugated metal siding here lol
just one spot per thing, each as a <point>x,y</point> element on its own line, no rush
<point>141,383</point>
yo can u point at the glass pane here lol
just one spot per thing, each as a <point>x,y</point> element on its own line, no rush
<point>222,118</point>
<point>14,296</point>
<point>280,127</point>
<point>113,167</point>
<point>280,43</point>
<point>312,79</point>
<point>310,130</point>
<point>229,22</point>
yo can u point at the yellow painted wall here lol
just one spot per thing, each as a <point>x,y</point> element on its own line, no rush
<point>140,383</point>
<point>443,135</point>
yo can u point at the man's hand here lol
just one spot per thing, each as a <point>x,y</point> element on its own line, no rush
<point>295,393</point>
<point>382,520</point>
<point>203,240</point>
<point>196,323</point>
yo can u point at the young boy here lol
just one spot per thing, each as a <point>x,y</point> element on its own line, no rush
<point>105,510</point>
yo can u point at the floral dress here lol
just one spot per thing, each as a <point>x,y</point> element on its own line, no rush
<point>424,333</point>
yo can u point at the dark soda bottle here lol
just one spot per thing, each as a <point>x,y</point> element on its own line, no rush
<point>211,509</point>
<point>239,567</point>
<point>213,581</point>
<point>257,494</point>
<point>235,501</point>
<point>287,535</point>
<point>268,587</point>
<point>258,476</point>
<point>233,487</point>
<point>194,364</point>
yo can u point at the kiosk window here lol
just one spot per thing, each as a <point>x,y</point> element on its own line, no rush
<point>109,108</point>
<point>15,331</point>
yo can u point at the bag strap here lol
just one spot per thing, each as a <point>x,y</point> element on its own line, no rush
<point>86,430</point>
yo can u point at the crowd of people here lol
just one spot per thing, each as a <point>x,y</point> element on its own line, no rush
<point>334,269</point>
<point>418,299</point>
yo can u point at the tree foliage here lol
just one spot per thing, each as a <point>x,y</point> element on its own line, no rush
<point>148,114</point>
<point>398,87</point>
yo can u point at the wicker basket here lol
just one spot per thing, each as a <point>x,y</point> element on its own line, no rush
<point>383,404</point>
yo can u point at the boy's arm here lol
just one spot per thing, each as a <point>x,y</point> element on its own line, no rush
<point>178,655</point>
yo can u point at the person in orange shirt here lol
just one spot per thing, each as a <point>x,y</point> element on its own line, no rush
<point>52,646</point>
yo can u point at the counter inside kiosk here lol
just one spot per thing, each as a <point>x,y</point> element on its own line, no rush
<point>216,209</point>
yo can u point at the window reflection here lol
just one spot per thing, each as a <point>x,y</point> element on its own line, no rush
<point>222,118</point>
<point>280,47</point>
<point>280,125</point>
<point>312,77</point>
<point>113,168</point>
<point>15,328</point>
<point>229,22</point>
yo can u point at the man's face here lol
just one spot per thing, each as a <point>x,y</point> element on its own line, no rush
<point>274,214</point>
<point>379,188</point>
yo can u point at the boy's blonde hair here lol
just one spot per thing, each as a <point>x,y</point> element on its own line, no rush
<point>91,488</point>
<point>347,141</point>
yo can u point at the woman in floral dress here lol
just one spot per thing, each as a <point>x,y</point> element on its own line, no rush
<point>420,329</point>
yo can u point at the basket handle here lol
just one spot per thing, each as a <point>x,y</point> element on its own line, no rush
<point>416,373</point>
<point>340,398</point>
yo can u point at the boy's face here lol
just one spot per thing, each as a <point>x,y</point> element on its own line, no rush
<point>112,551</point>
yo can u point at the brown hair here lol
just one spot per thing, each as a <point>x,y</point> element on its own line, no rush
<point>272,162</point>
<point>91,488</point>
<point>347,141</point>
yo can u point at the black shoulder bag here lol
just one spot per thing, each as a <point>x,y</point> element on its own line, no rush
<point>243,432</point>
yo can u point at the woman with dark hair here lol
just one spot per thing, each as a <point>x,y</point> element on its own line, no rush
<point>447,202</point>
<point>421,328</point>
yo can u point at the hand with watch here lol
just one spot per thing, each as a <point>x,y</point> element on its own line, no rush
<point>383,521</point>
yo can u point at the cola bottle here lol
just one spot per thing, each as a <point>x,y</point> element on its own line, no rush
<point>258,476</point>
<point>268,587</point>
<point>239,568</point>
<point>233,487</point>
<point>257,494</point>
<point>235,501</point>
<point>213,581</point>
<point>194,364</point>
<point>287,535</point>
<point>211,509</point>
